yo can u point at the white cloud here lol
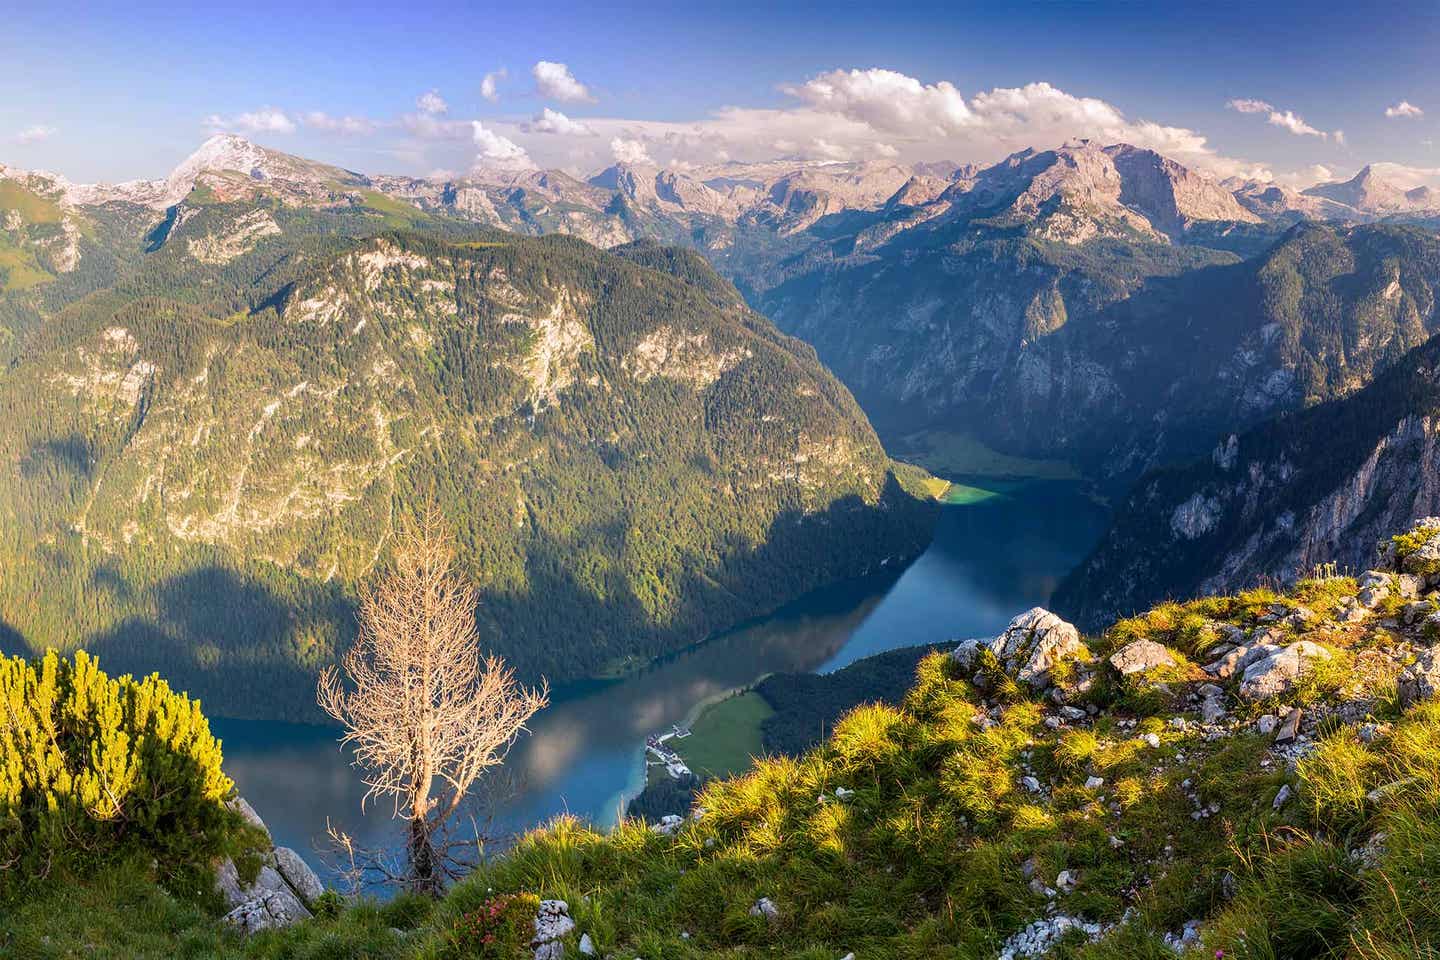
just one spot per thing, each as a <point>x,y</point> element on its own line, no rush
<point>1244,105</point>
<point>825,150</point>
<point>37,133</point>
<point>1295,124</point>
<point>553,121</point>
<point>631,152</point>
<point>1307,176</point>
<point>264,120</point>
<point>497,151</point>
<point>886,100</point>
<point>348,126</point>
<point>555,81</point>
<point>1404,109</point>
<point>427,126</point>
<point>1284,119</point>
<point>842,114</point>
<point>490,85</point>
<point>1339,137</point>
<point>430,102</point>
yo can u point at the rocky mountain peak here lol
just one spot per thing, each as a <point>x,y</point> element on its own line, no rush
<point>1377,189</point>
<point>1169,194</point>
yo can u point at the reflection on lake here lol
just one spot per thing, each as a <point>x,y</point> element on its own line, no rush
<point>989,561</point>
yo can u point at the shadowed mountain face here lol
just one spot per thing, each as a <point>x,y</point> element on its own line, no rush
<point>210,453</point>
<point>1319,486</point>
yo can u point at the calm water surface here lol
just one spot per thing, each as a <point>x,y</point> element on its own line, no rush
<point>988,561</point>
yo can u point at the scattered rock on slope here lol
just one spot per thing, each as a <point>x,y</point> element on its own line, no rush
<point>1141,656</point>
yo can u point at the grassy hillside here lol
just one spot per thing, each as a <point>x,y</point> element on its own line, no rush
<point>1168,811</point>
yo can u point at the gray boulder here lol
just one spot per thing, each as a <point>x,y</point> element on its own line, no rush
<point>297,873</point>
<point>765,907</point>
<point>1277,672</point>
<point>1141,656</point>
<point>1374,589</point>
<point>968,652</point>
<point>266,904</point>
<point>242,806</point>
<point>552,922</point>
<point>1421,679</point>
<point>1240,658</point>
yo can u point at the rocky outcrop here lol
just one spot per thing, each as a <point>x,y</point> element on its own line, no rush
<point>1278,670</point>
<point>552,925</point>
<point>1421,679</point>
<point>266,903</point>
<point>281,892</point>
<point>1029,649</point>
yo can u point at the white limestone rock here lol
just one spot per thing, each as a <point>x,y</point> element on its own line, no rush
<point>266,904</point>
<point>1279,671</point>
<point>1421,679</point>
<point>1141,656</point>
<point>552,922</point>
<point>1029,648</point>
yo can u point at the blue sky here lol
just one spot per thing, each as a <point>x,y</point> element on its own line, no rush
<point>110,91</point>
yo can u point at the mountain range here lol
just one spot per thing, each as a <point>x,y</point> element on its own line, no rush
<point>1102,305</point>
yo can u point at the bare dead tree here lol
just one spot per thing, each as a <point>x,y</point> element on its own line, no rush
<point>424,712</point>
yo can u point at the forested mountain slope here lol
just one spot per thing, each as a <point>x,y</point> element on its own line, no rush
<point>203,459</point>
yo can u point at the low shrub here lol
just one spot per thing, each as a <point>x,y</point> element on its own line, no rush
<point>93,769</point>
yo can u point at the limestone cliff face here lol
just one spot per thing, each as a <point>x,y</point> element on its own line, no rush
<point>1318,487</point>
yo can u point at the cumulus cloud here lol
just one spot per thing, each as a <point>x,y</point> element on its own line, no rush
<point>880,115</point>
<point>36,134</point>
<point>427,126</point>
<point>886,100</point>
<point>264,120</point>
<point>490,85</point>
<point>497,151</point>
<point>347,125</point>
<point>629,151</point>
<point>1339,136</point>
<point>1284,119</point>
<point>1404,109</point>
<point>555,81</point>
<point>430,102</point>
<point>1307,176</point>
<point>553,121</point>
<point>872,114</point>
